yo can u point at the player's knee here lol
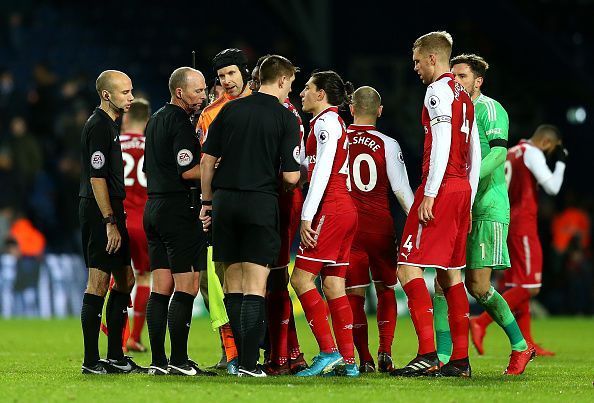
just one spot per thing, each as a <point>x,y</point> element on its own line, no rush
<point>359,291</point>
<point>333,287</point>
<point>533,292</point>
<point>438,289</point>
<point>298,282</point>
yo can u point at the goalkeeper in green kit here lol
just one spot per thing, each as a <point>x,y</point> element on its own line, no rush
<point>486,247</point>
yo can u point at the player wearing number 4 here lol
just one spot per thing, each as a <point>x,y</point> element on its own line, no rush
<point>486,248</point>
<point>132,141</point>
<point>376,168</point>
<point>437,227</point>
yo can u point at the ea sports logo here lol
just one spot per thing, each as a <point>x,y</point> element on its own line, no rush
<point>184,157</point>
<point>97,160</point>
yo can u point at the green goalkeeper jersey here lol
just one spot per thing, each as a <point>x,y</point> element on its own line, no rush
<point>491,202</point>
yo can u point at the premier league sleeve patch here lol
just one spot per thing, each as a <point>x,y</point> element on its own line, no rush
<point>184,157</point>
<point>433,101</point>
<point>323,136</point>
<point>97,160</point>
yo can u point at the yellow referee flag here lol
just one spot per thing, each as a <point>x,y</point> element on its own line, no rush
<point>218,313</point>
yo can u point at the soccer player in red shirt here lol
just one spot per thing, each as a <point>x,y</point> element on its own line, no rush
<point>285,354</point>
<point>328,226</point>
<point>132,142</point>
<point>437,226</point>
<point>525,169</point>
<point>376,169</point>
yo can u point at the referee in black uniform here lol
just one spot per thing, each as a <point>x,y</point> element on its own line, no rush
<point>177,245</point>
<point>103,226</point>
<point>255,137</point>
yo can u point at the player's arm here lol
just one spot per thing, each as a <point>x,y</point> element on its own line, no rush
<point>475,161</point>
<point>327,135</point>
<point>397,175</point>
<point>438,101</point>
<point>496,131</point>
<point>211,152</point>
<point>99,144</point>
<point>535,161</point>
<point>290,158</point>
<point>187,151</point>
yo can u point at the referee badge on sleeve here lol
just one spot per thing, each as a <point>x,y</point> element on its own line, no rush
<point>296,154</point>
<point>184,157</point>
<point>97,160</point>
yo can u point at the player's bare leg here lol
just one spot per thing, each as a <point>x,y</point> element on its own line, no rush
<point>421,312</point>
<point>450,282</point>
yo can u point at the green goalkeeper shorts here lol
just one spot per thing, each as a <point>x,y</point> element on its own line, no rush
<point>487,246</point>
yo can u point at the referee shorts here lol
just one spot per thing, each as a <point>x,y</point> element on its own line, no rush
<point>174,234</point>
<point>245,227</point>
<point>94,236</point>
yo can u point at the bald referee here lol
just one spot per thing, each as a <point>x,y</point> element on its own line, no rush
<point>255,137</point>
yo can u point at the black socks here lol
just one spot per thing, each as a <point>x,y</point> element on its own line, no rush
<point>179,319</point>
<point>156,320</point>
<point>252,327</point>
<point>90,319</point>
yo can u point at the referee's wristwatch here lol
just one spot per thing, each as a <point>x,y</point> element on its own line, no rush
<point>206,202</point>
<point>110,219</point>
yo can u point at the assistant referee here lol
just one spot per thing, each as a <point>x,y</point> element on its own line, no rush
<point>177,246</point>
<point>255,137</point>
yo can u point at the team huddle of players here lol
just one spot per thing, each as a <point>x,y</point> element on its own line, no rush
<point>459,217</point>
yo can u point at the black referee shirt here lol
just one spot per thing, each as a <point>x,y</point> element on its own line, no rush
<point>256,137</point>
<point>101,155</point>
<point>171,148</point>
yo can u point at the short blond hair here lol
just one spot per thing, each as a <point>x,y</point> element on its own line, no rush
<point>366,101</point>
<point>438,42</point>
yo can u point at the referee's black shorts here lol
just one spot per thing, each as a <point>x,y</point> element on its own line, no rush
<point>245,227</point>
<point>174,233</point>
<point>94,236</point>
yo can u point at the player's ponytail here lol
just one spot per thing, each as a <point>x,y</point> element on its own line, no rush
<point>337,91</point>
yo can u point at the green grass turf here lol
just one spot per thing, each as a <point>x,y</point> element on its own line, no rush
<point>41,362</point>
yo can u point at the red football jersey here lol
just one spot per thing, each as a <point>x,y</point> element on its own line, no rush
<point>446,101</point>
<point>376,169</point>
<point>134,177</point>
<point>522,191</point>
<point>326,154</point>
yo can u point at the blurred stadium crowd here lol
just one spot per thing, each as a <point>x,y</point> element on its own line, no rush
<point>49,58</point>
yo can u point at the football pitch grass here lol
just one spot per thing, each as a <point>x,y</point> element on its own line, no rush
<point>41,361</point>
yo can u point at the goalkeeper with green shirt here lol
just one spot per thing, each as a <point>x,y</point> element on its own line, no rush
<point>486,247</point>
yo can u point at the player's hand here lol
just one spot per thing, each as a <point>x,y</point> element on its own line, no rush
<point>206,217</point>
<point>114,239</point>
<point>560,153</point>
<point>426,209</point>
<point>308,235</point>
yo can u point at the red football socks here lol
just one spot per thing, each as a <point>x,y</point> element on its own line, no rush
<point>522,312</point>
<point>140,301</point>
<point>458,317</point>
<point>386,319</point>
<point>342,323</point>
<point>315,313</point>
<point>279,309</point>
<point>360,336</point>
<point>421,312</point>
